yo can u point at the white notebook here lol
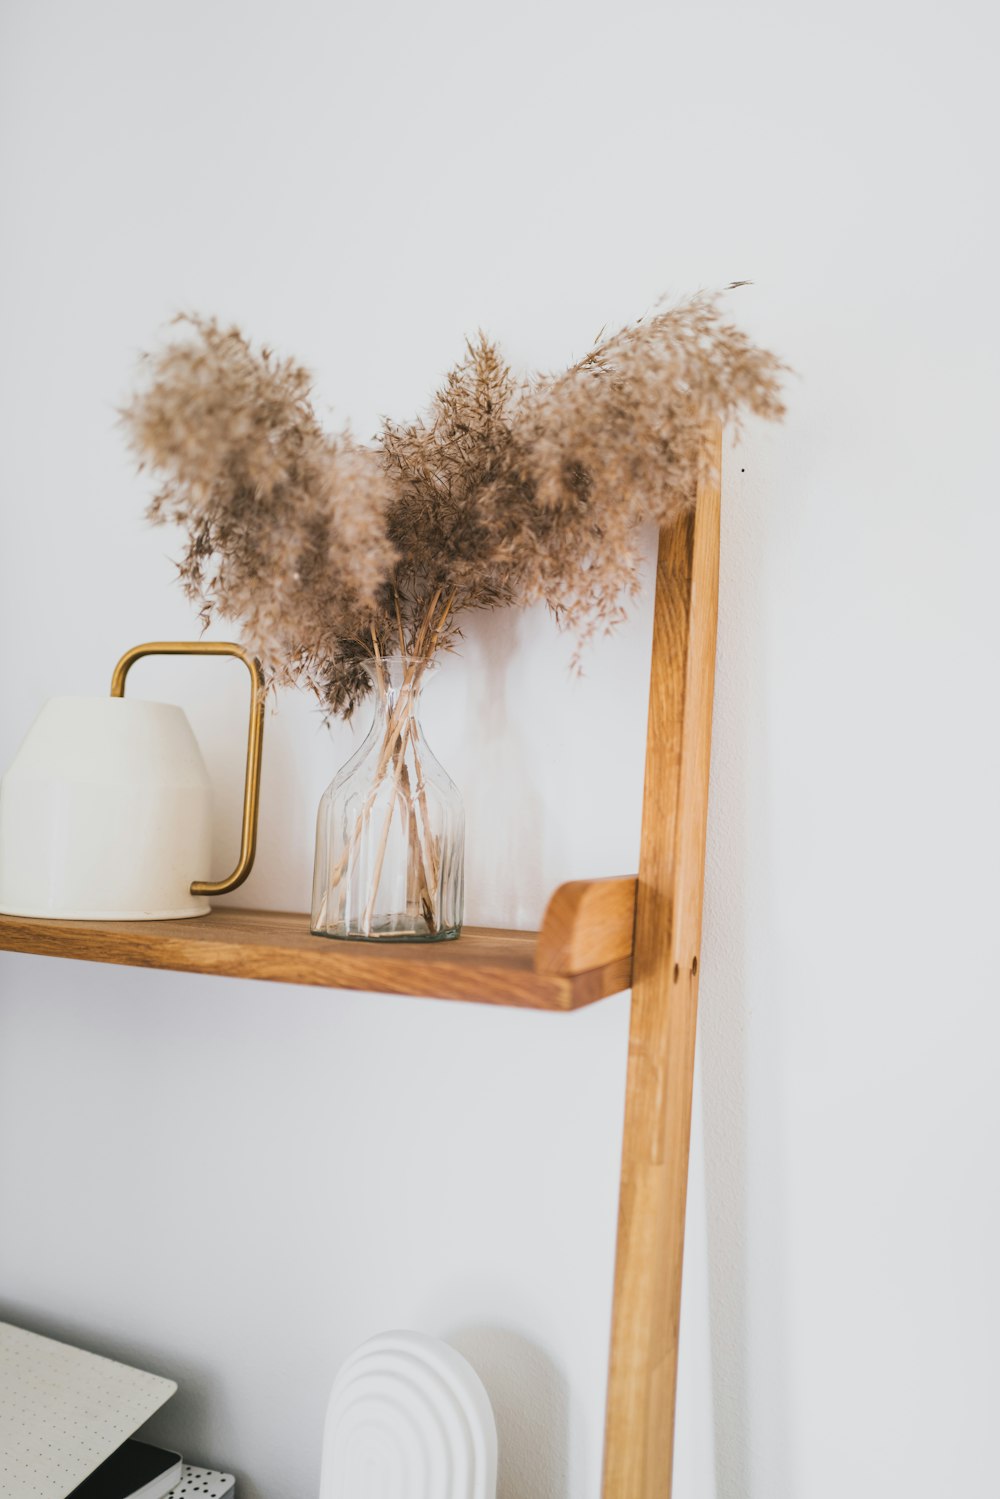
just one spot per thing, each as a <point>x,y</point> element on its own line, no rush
<point>63,1411</point>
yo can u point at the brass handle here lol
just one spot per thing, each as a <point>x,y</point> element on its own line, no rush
<point>255,739</point>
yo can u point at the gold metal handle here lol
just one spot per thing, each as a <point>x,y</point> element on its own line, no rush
<point>255,740</point>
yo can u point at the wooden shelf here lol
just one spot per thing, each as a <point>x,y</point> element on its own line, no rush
<point>583,952</point>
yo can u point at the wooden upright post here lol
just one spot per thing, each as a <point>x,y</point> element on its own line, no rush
<point>642,1380</point>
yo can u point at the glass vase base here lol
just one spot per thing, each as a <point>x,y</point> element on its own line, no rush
<point>387,932</point>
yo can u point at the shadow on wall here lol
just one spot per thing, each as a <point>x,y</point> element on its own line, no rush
<point>507,864</point>
<point>744,944</point>
<point>530,1400</point>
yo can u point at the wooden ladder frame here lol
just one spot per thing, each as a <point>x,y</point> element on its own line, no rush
<point>642,1376</point>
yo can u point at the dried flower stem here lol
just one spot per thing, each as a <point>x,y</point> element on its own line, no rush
<point>401,729</point>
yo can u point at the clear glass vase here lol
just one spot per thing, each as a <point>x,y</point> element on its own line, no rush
<point>390,837</point>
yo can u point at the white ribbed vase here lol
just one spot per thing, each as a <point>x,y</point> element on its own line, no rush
<point>408,1419</point>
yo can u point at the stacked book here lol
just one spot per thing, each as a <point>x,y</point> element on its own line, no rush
<point>135,1470</point>
<point>67,1424</point>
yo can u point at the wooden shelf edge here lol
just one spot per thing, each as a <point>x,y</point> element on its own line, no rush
<point>484,965</point>
<point>587,923</point>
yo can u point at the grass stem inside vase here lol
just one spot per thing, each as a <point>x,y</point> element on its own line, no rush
<point>391,827</point>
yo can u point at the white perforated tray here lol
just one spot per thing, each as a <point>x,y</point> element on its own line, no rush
<point>203,1483</point>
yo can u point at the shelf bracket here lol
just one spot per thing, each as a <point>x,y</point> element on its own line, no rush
<point>587,923</point>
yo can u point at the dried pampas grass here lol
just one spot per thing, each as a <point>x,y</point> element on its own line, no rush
<point>329,554</point>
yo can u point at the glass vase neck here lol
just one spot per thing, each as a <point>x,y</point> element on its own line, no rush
<point>398,677</point>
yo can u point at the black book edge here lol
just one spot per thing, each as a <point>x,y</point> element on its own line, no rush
<point>131,1467</point>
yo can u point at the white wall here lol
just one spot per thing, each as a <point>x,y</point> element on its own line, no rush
<point>235,1183</point>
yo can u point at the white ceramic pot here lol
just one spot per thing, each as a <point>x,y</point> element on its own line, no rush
<point>105,813</point>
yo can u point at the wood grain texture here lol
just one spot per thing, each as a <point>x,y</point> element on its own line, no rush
<point>642,1379</point>
<point>586,923</point>
<point>483,965</point>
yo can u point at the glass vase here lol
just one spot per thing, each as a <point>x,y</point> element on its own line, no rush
<point>390,836</point>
